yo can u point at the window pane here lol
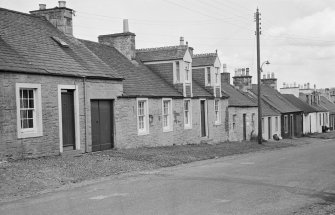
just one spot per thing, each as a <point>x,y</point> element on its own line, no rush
<point>25,103</point>
<point>25,94</point>
<point>31,94</point>
<point>25,123</point>
<point>30,123</point>
<point>31,103</point>
<point>23,114</point>
<point>30,114</point>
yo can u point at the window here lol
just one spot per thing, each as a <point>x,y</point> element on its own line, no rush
<point>234,121</point>
<point>276,123</point>
<point>217,72</point>
<point>286,124</point>
<point>187,71</point>
<point>167,114</point>
<point>208,70</point>
<point>29,110</point>
<point>263,125</point>
<point>142,116</point>
<point>253,121</point>
<point>217,111</point>
<point>177,72</point>
<point>187,114</point>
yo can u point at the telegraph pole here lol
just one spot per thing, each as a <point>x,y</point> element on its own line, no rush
<point>258,32</point>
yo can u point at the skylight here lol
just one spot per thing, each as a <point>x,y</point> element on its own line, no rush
<point>61,42</point>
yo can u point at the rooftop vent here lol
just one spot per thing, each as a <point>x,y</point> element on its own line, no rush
<point>60,42</point>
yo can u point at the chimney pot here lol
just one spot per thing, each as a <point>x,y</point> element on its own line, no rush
<point>272,75</point>
<point>43,6</point>
<point>269,76</point>
<point>62,3</point>
<point>125,26</point>
<point>181,41</point>
<point>264,76</point>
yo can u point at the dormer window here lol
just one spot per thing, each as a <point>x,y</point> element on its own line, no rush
<point>217,72</point>
<point>208,70</point>
<point>177,72</point>
<point>187,72</point>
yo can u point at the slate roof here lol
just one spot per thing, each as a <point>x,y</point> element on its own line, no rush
<point>275,99</point>
<point>27,47</point>
<point>236,97</point>
<point>139,79</point>
<point>199,91</point>
<point>267,110</point>
<point>306,108</point>
<point>162,53</point>
<point>318,107</point>
<point>327,104</point>
<point>204,59</point>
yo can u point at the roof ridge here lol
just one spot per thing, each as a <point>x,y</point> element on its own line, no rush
<point>205,55</point>
<point>160,48</point>
<point>18,12</point>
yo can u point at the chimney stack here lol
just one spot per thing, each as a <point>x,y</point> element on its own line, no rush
<point>247,71</point>
<point>62,3</point>
<point>242,79</point>
<point>60,17</point>
<point>181,41</point>
<point>125,26</point>
<point>43,6</point>
<point>123,42</point>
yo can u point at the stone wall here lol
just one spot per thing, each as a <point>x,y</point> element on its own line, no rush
<point>236,134</point>
<point>126,124</point>
<point>49,142</point>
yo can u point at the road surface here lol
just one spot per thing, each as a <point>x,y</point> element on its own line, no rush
<point>268,182</point>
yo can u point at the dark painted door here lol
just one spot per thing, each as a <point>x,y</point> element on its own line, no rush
<point>244,127</point>
<point>269,128</point>
<point>203,118</point>
<point>68,119</point>
<point>292,126</point>
<point>102,124</point>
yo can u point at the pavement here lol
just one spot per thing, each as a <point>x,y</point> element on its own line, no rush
<point>267,182</point>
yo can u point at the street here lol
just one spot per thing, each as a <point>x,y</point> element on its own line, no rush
<point>266,182</point>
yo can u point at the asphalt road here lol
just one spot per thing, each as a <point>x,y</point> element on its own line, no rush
<point>269,182</point>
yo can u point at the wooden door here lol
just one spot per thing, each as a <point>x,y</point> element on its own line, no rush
<point>102,124</point>
<point>244,127</point>
<point>68,124</point>
<point>203,118</point>
<point>292,126</point>
<point>269,128</point>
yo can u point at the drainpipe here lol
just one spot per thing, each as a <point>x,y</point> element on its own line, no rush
<point>84,85</point>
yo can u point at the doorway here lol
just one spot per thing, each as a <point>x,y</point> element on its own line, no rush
<point>102,118</point>
<point>203,118</point>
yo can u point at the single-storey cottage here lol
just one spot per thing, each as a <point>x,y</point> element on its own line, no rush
<point>52,87</point>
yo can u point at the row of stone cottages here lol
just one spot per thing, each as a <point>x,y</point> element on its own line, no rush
<point>62,94</point>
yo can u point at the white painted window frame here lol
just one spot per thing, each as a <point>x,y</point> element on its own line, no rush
<point>176,77</point>
<point>189,125</point>
<point>188,77</point>
<point>76,115</point>
<point>169,127</point>
<point>206,116</point>
<point>37,131</point>
<point>217,120</point>
<point>144,131</point>
<point>208,73</point>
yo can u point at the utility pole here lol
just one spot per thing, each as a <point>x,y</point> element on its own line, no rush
<point>258,32</point>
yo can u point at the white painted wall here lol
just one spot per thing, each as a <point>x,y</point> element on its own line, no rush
<point>277,131</point>
<point>292,90</point>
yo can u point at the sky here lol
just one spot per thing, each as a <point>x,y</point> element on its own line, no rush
<point>298,36</point>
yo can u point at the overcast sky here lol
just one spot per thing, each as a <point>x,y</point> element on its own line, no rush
<point>298,36</point>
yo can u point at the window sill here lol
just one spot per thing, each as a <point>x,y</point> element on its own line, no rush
<point>217,123</point>
<point>142,133</point>
<point>187,126</point>
<point>167,129</point>
<point>22,135</point>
